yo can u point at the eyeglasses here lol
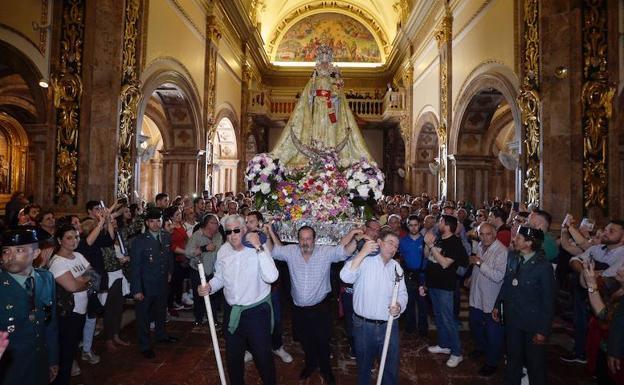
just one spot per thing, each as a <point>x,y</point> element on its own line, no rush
<point>235,231</point>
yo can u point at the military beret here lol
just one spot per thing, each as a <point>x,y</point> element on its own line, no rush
<point>531,233</point>
<point>19,237</point>
<point>153,213</point>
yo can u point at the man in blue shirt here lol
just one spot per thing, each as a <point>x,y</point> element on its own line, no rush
<point>411,248</point>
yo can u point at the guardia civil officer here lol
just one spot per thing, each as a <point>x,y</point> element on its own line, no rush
<point>27,313</point>
<point>526,305</point>
<point>151,263</point>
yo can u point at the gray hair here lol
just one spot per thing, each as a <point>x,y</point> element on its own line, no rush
<point>233,218</point>
<point>486,224</point>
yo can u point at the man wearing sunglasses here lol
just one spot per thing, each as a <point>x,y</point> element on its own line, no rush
<point>309,267</point>
<point>245,274</point>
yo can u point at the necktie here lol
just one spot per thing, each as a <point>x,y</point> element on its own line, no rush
<point>30,287</point>
<point>30,290</point>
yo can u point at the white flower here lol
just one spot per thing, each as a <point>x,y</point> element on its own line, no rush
<point>265,188</point>
<point>363,191</point>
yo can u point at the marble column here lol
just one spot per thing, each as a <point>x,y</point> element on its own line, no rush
<point>104,20</point>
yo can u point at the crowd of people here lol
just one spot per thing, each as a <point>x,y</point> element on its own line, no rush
<point>411,263</point>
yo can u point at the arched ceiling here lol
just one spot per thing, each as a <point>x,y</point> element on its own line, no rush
<point>277,16</point>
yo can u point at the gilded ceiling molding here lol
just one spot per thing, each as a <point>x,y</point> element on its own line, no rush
<point>67,86</point>
<point>530,103</point>
<point>129,98</point>
<point>329,6</point>
<point>597,98</point>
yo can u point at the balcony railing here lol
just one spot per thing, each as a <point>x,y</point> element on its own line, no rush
<point>392,104</point>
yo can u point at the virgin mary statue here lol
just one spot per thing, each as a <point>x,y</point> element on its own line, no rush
<point>321,119</point>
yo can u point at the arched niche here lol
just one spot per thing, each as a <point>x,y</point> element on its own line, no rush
<point>224,167</point>
<point>425,150</point>
<point>484,140</point>
<point>170,100</point>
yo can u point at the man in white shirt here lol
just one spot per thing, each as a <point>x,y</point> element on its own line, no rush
<point>373,281</point>
<point>245,274</point>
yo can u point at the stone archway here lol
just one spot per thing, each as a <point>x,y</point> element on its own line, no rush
<point>26,137</point>
<point>484,140</point>
<point>171,104</point>
<point>225,161</point>
<point>424,153</point>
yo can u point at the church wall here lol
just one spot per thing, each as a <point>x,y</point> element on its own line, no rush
<point>19,15</point>
<point>228,87</point>
<point>170,34</point>
<point>426,92</point>
<point>488,37</point>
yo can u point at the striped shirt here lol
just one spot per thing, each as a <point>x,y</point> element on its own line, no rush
<point>309,280</point>
<point>487,279</point>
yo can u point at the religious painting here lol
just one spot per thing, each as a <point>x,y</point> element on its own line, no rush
<point>5,164</point>
<point>350,40</point>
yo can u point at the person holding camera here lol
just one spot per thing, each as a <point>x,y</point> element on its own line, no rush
<point>71,272</point>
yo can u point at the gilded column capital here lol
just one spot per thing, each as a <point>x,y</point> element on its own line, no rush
<point>213,29</point>
<point>444,32</point>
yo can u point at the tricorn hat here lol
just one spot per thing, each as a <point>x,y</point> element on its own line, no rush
<point>19,237</point>
<point>153,213</point>
<point>531,233</point>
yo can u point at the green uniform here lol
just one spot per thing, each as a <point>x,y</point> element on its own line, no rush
<point>32,327</point>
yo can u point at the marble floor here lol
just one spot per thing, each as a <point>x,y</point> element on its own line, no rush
<point>191,361</point>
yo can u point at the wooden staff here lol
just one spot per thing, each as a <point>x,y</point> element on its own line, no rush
<point>384,352</point>
<point>213,331</point>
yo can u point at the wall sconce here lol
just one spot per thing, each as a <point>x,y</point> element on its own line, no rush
<point>561,72</point>
<point>44,83</point>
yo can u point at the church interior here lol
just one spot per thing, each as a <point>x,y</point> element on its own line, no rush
<point>472,100</point>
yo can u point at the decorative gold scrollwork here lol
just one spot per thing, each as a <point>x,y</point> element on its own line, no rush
<point>67,87</point>
<point>129,98</point>
<point>530,103</point>
<point>597,98</point>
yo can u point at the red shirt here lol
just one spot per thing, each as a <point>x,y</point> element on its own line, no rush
<point>178,241</point>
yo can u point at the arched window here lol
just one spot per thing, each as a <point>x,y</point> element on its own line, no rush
<point>225,158</point>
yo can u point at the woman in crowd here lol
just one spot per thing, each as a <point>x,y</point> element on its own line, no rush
<point>69,269</point>
<point>604,298</point>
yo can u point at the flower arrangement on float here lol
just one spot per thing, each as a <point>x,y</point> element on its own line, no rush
<point>365,183</point>
<point>321,192</point>
<point>263,175</point>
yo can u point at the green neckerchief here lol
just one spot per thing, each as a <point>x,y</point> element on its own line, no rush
<point>237,310</point>
<point>526,258</point>
<point>21,279</point>
<point>155,235</point>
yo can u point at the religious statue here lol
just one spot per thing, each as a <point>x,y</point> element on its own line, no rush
<point>321,120</point>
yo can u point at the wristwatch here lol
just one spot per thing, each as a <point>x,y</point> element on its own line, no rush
<point>478,263</point>
<point>259,249</point>
<point>591,289</point>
